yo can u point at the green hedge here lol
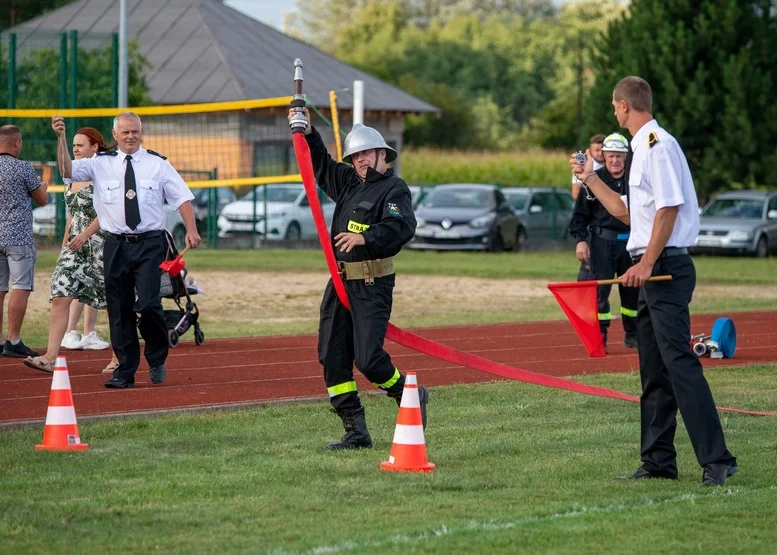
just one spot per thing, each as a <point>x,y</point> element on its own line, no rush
<point>509,169</point>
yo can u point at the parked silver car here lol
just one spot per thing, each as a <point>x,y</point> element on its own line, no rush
<point>739,222</point>
<point>543,212</point>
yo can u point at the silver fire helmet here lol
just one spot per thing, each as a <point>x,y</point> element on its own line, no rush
<point>363,138</point>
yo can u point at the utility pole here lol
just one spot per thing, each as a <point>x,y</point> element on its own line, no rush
<point>123,54</point>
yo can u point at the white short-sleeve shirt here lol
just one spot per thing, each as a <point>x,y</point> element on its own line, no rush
<point>659,178</point>
<point>155,181</point>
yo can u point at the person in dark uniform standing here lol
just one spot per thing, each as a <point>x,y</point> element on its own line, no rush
<point>595,148</point>
<point>662,208</point>
<point>373,219</point>
<point>607,254</point>
<point>131,185</point>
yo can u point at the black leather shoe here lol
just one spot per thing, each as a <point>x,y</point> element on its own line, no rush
<point>118,383</point>
<point>157,374</point>
<point>716,474</point>
<point>642,474</point>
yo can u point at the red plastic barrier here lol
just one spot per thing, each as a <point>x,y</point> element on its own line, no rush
<point>426,346</point>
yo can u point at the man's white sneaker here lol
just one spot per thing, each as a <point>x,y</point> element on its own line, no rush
<point>72,340</point>
<point>92,342</point>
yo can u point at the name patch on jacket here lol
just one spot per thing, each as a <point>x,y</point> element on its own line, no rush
<point>356,227</point>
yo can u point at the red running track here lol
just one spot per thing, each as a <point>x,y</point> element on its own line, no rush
<point>253,370</point>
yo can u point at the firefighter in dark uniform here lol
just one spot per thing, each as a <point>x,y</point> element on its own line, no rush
<point>373,219</point>
<point>662,209</point>
<point>607,254</point>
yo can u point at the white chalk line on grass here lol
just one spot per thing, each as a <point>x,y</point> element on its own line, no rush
<point>495,525</point>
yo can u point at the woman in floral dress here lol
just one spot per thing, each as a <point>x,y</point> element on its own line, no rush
<point>79,270</point>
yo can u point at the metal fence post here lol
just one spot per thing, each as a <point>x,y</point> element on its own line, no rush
<point>63,70</point>
<point>253,223</point>
<point>115,69</point>
<point>11,73</point>
<point>266,215</point>
<point>213,211</point>
<point>554,217</point>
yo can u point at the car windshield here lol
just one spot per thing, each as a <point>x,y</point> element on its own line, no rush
<point>458,198</point>
<point>275,194</point>
<point>746,208</point>
<point>517,199</point>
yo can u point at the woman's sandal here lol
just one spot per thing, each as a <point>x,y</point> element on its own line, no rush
<point>38,364</point>
<point>110,368</point>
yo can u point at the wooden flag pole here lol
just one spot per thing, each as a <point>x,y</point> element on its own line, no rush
<point>617,281</point>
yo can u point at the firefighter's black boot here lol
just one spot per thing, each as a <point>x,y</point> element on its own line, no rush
<point>423,399</point>
<point>356,434</point>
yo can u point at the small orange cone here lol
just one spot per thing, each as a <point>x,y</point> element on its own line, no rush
<point>61,430</point>
<point>408,451</point>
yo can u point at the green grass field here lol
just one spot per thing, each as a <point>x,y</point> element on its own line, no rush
<point>560,266</point>
<point>520,469</point>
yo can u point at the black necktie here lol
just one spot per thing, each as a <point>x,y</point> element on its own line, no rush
<point>131,209</point>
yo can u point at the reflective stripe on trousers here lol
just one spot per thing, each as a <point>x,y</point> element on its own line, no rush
<point>342,388</point>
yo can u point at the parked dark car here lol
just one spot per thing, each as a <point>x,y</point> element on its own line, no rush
<point>465,217</point>
<point>543,212</point>
<point>739,222</point>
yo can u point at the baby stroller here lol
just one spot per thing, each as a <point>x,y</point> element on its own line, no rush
<point>175,288</point>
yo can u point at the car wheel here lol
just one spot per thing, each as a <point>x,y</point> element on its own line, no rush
<point>762,249</point>
<point>497,243</point>
<point>293,232</point>
<point>520,240</point>
<point>179,236</point>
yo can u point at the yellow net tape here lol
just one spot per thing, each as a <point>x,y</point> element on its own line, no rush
<point>149,110</point>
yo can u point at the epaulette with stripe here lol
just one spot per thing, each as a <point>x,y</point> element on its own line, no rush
<point>156,154</point>
<point>107,153</point>
<point>652,139</point>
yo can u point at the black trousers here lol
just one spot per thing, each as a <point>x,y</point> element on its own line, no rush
<point>131,268</point>
<point>672,376</point>
<point>608,259</point>
<point>356,337</point>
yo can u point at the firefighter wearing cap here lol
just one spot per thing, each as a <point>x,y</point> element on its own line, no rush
<point>607,254</point>
<point>373,219</point>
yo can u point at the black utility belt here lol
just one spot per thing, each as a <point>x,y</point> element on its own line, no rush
<point>666,253</point>
<point>134,237</point>
<point>609,234</point>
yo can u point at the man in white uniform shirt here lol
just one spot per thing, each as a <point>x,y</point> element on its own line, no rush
<point>662,209</point>
<point>131,185</point>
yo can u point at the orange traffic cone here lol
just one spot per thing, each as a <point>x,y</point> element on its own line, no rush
<point>408,451</point>
<point>61,430</point>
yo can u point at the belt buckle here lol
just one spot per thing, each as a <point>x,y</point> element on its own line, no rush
<point>368,277</point>
<point>341,267</point>
<point>132,238</point>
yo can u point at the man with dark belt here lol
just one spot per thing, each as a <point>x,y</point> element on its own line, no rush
<point>373,219</point>
<point>607,254</point>
<point>131,185</point>
<point>662,209</point>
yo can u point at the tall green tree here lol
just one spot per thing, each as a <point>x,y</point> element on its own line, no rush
<point>713,72</point>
